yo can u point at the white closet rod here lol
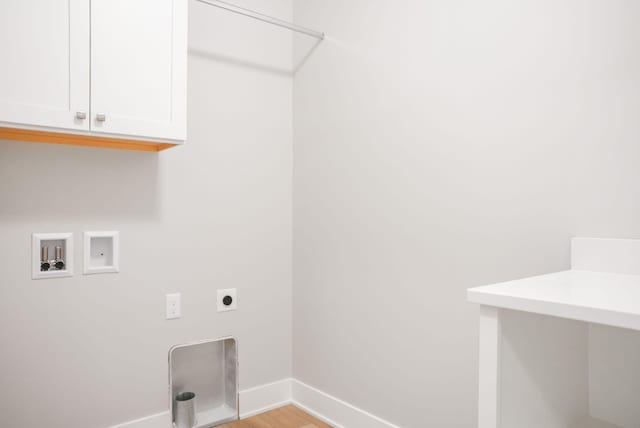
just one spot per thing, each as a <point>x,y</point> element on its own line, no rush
<point>265,18</point>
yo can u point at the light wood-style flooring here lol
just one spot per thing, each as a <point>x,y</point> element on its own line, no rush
<point>284,417</point>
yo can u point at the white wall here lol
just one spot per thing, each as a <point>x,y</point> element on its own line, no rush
<point>91,351</point>
<point>544,379</point>
<point>441,145</point>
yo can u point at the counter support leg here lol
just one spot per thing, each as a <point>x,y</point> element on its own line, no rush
<point>489,375</point>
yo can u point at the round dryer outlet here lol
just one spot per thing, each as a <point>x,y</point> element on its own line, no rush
<point>227,300</point>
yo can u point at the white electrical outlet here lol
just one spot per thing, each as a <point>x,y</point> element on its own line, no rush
<point>173,306</point>
<point>227,300</point>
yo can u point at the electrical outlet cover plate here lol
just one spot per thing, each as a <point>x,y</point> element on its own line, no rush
<point>231,292</point>
<point>174,306</point>
<point>65,240</point>
<point>101,252</point>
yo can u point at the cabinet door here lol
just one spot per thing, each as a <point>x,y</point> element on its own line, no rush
<point>138,68</point>
<point>44,70</point>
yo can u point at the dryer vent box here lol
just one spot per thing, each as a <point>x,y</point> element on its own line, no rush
<point>208,369</point>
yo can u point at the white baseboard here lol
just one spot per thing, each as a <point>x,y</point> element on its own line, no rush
<point>332,410</point>
<point>265,397</point>
<point>254,400</point>
<point>159,420</point>
<point>323,406</point>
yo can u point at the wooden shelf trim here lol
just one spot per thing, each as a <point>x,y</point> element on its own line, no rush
<point>17,134</point>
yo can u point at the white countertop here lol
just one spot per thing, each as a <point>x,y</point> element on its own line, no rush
<point>603,298</point>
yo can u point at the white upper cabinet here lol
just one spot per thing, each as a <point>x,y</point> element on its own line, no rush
<point>138,67</point>
<point>99,68</point>
<point>44,76</point>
